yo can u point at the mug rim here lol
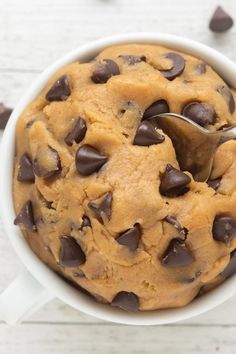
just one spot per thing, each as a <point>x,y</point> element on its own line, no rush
<point>47,277</point>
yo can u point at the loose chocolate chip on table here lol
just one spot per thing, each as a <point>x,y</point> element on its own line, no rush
<point>77,133</point>
<point>224,228</point>
<point>147,135</point>
<point>89,160</point>
<point>25,218</point>
<point>214,183</point>
<point>47,162</point>
<point>25,172</point>
<point>201,113</point>
<point>228,96</point>
<point>85,222</point>
<point>130,238</point>
<point>133,59</point>
<point>177,67</point>
<point>103,210</point>
<point>231,267</point>
<point>60,90</point>
<point>71,254</point>
<point>177,254</point>
<point>104,70</point>
<point>201,68</point>
<point>173,182</point>
<point>127,301</point>
<point>220,21</point>
<point>5,113</point>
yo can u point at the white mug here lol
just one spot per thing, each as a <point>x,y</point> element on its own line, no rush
<point>38,284</point>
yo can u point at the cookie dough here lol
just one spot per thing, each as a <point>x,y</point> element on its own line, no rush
<point>98,191</point>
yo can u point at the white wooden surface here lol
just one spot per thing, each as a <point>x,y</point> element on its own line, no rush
<point>33,33</point>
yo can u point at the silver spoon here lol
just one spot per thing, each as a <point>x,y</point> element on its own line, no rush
<point>194,145</point>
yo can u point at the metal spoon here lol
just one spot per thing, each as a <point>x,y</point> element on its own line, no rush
<point>194,145</point>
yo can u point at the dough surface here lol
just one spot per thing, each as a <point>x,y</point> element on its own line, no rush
<point>100,105</point>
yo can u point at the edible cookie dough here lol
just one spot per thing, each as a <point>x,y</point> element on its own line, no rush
<point>98,191</point>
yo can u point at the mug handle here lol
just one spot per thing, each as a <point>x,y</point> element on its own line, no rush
<point>22,297</point>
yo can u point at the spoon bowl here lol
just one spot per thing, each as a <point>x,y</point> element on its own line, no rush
<point>195,146</point>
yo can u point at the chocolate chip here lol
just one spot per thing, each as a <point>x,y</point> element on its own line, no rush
<point>158,107</point>
<point>79,274</point>
<point>231,267</point>
<point>47,162</point>
<point>29,124</point>
<point>214,183</point>
<point>224,228</point>
<point>173,221</point>
<point>60,90</point>
<point>147,135</point>
<point>201,68</point>
<point>130,238</point>
<point>85,222</point>
<point>220,21</point>
<point>89,160</point>
<point>127,301</point>
<point>49,205</point>
<point>177,67</point>
<point>201,113</point>
<point>192,279</point>
<point>25,218</point>
<point>228,96</point>
<point>25,172</point>
<point>104,70</point>
<point>133,59</point>
<point>5,113</point>
<point>173,182</point>
<point>188,280</point>
<point>77,133</point>
<point>177,254</point>
<point>71,254</point>
<point>103,210</point>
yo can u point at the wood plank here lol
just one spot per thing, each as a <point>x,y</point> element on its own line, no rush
<point>57,312</point>
<point>35,33</point>
<point>13,85</point>
<point>9,263</point>
<point>115,339</point>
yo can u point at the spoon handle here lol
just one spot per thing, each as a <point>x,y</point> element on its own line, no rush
<point>228,134</point>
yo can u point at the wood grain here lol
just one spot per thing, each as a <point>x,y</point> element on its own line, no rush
<point>57,312</point>
<point>115,339</point>
<point>33,33</point>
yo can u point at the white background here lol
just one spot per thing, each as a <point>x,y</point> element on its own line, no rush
<point>33,33</point>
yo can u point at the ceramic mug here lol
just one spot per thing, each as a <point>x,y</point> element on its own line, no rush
<point>37,284</point>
